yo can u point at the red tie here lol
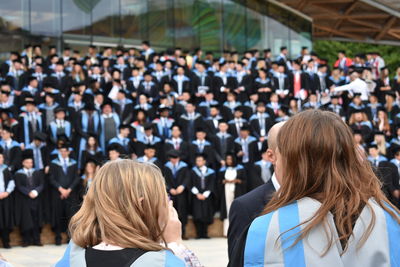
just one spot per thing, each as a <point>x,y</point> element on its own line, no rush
<point>176,145</point>
<point>297,84</point>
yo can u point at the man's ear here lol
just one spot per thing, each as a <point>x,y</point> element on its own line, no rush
<point>271,156</point>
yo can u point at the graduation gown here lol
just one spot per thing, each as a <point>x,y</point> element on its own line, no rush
<point>223,146</point>
<point>7,204</point>
<point>12,156</point>
<point>208,150</point>
<point>26,130</point>
<point>68,179</point>
<point>183,149</point>
<point>240,189</point>
<point>24,204</point>
<point>189,127</point>
<point>255,180</point>
<point>203,210</point>
<point>181,177</point>
<point>261,250</point>
<point>125,112</point>
<point>256,127</point>
<point>253,153</point>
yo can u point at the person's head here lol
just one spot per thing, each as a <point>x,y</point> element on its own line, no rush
<point>274,98</point>
<point>27,162</point>
<point>174,156</point>
<point>107,108</point>
<point>396,154</point>
<point>124,130</point>
<point>223,127</point>
<point>113,152</point>
<point>126,205</point>
<point>230,160</point>
<point>150,151</point>
<point>261,107</point>
<point>244,131</point>
<point>214,111</point>
<point>190,108</point>
<point>30,105</point>
<point>358,138</point>
<point>238,113</point>
<point>64,151</point>
<point>90,167</point>
<point>201,134</point>
<point>59,113</point>
<point>270,153</point>
<point>317,158</point>
<point>373,150</point>
<point>148,129</point>
<point>92,142</point>
<point>200,160</point>
<point>175,131</point>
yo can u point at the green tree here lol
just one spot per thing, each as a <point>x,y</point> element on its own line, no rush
<point>328,50</point>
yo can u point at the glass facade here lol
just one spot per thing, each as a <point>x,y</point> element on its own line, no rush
<point>213,25</point>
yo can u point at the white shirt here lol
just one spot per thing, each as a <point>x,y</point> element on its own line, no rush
<point>275,182</point>
<point>356,86</point>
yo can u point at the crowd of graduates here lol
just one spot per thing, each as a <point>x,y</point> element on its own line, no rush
<point>202,119</point>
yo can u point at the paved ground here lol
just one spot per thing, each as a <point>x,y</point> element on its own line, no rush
<point>212,253</point>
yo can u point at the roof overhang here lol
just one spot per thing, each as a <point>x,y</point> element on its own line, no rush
<point>370,21</point>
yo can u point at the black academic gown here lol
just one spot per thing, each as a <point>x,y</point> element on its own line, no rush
<point>12,156</point>
<point>183,149</point>
<point>203,210</point>
<point>388,174</point>
<point>182,177</point>
<point>28,213</point>
<point>70,179</point>
<point>7,204</point>
<point>189,127</point>
<point>208,150</point>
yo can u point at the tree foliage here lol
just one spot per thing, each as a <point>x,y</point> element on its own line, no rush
<point>328,50</point>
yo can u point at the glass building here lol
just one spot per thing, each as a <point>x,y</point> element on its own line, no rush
<point>213,25</point>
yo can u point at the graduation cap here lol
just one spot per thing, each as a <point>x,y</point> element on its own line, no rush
<point>204,156</point>
<point>335,96</point>
<point>174,154</point>
<point>260,103</point>
<point>214,106</point>
<point>124,126</point>
<point>238,108</point>
<point>381,109</point>
<point>162,108</point>
<point>148,126</point>
<point>31,78</point>
<point>200,129</point>
<point>92,160</point>
<point>29,100</point>
<point>89,107</point>
<point>384,68</point>
<point>6,111</point>
<point>373,145</point>
<point>396,150</point>
<point>115,147</point>
<point>40,136</point>
<point>379,133</point>
<point>59,109</point>
<point>6,129</point>
<point>357,94</point>
<point>150,147</point>
<point>27,154</point>
<point>356,131</point>
<point>245,127</point>
<point>268,50</point>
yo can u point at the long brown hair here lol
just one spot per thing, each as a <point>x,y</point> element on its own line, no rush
<point>123,207</point>
<point>320,161</point>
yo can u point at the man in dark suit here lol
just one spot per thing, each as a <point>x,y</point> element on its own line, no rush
<point>247,207</point>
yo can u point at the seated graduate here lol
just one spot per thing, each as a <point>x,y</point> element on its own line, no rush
<point>330,210</point>
<point>130,224</point>
<point>28,204</point>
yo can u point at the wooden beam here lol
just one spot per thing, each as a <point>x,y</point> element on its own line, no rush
<point>358,29</point>
<point>386,28</point>
<point>349,9</point>
<point>345,34</point>
<point>394,34</point>
<point>365,24</point>
<point>334,16</point>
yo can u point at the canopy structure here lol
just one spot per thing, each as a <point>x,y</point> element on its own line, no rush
<point>372,21</point>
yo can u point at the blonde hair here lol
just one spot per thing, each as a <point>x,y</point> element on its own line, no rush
<point>123,207</point>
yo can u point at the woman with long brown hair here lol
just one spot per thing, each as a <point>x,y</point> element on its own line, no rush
<point>126,220</point>
<point>330,210</point>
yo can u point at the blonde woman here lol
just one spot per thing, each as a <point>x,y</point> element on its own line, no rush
<point>125,220</point>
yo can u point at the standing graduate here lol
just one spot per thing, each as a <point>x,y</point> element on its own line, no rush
<point>28,215</point>
<point>11,150</point>
<point>262,171</point>
<point>232,184</point>
<point>60,126</point>
<point>177,143</point>
<point>246,148</point>
<point>203,189</point>
<point>64,180</point>
<point>202,146</point>
<point>189,122</point>
<point>109,123</point>
<point>30,122</point>
<point>7,186</point>
<point>177,178</point>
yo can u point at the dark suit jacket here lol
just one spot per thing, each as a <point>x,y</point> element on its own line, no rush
<point>243,211</point>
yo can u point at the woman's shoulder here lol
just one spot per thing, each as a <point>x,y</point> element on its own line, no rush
<point>75,256</point>
<point>164,258</point>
